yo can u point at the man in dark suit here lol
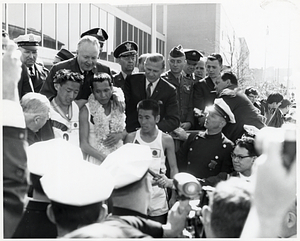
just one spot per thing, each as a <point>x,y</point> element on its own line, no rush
<point>204,90</point>
<point>244,111</point>
<point>33,74</point>
<point>126,54</point>
<point>149,85</point>
<point>85,63</point>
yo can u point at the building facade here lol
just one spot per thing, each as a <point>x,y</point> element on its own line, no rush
<point>61,24</point>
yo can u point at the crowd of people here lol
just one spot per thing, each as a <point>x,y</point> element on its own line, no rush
<point>90,153</point>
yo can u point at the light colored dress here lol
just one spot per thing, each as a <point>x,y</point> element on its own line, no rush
<point>101,125</point>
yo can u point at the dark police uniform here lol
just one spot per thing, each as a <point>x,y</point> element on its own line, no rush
<point>204,155</point>
<point>127,48</point>
<point>184,88</point>
<point>119,80</point>
<point>35,222</point>
<point>14,177</point>
<point>32,78</point>
<point>137,220</point>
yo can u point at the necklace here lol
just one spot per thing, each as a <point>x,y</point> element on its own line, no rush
<point>67,116</point>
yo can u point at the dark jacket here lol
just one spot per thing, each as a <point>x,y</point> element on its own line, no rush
<point>164,93</point>
<point>38,80</point>
<point>119,81</point>
<point>72,64</point>
<point>184,91</point>
<point>244,113</point>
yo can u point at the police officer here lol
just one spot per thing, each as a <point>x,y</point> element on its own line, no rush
<point>98,33</point>
<point>192,58</point>
<point>34,74</point>
<point>126,55</point>
<point>207,153</point>
<point>62,55</point>
<point>40,157</point>
<point>131,196</point>
<point>184,86</point>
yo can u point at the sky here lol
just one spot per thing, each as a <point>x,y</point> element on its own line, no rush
<point>270,27</point>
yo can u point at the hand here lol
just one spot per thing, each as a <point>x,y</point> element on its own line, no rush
<point>112,139</point>
<point>176,219</point>
<point>163,182</point>
<point>80,103</point>
<point>180,134</point>
<point>186,125</point>
<point>11,71</point>
<point>118,99</point>
<point>279,188</point>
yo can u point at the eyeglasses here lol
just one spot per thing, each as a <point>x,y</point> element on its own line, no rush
<point>233,156</point>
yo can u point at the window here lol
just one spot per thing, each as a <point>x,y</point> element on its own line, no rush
<point>49,15</point>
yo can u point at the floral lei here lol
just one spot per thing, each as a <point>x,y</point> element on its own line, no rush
<point>103,125</point>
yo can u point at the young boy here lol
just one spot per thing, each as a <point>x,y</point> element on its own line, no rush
<point>162,147</point>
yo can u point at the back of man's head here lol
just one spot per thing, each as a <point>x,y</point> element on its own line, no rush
<point>229,76</point>
<point>229,207</point>
<point>35,103</point>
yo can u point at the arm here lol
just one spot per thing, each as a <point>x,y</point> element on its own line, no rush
<point>198,97</point>
<point>189,121</point>
<point>169,146</point>
<point>84,135</point>
<point>181,154</point>
<point>129,138</point>
<point>227,165</point>
<point>48,86</point>
<point>170,121</point>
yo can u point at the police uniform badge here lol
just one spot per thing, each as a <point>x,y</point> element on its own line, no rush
<point>128,46</point>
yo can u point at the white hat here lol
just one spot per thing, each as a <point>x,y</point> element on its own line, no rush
<point>128,164</point>
<point>81,184</point>
<point>223,109</point>
<point>44,155</point>
<point>28,41</point>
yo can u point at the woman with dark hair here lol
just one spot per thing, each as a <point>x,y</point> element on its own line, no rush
<point>102,128</point>
<point>271,109</point>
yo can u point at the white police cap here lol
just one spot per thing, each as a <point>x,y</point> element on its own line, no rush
<point>128,164</point>
<point>44,155</point>
<point>28,41</point>
<point>80,184</point>
<point>221,107</point>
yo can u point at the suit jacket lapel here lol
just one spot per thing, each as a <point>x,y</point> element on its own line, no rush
<point>157,89</point>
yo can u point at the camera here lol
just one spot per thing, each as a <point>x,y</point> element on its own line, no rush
<point>188,187</point>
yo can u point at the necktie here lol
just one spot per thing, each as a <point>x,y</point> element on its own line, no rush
<point>31,71</point>
<point>148,90</point>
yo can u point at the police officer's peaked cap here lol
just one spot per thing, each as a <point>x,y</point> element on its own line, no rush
<point>177,52</point>
<point>78,184</point>
<point>98,33</point>
<point>28,41</point>
<point>126,48</point>
<point>64,54</point>
<point>192,55</point>
<point>128,164</point>
<point>43,156</point>
<point>223,109</point>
